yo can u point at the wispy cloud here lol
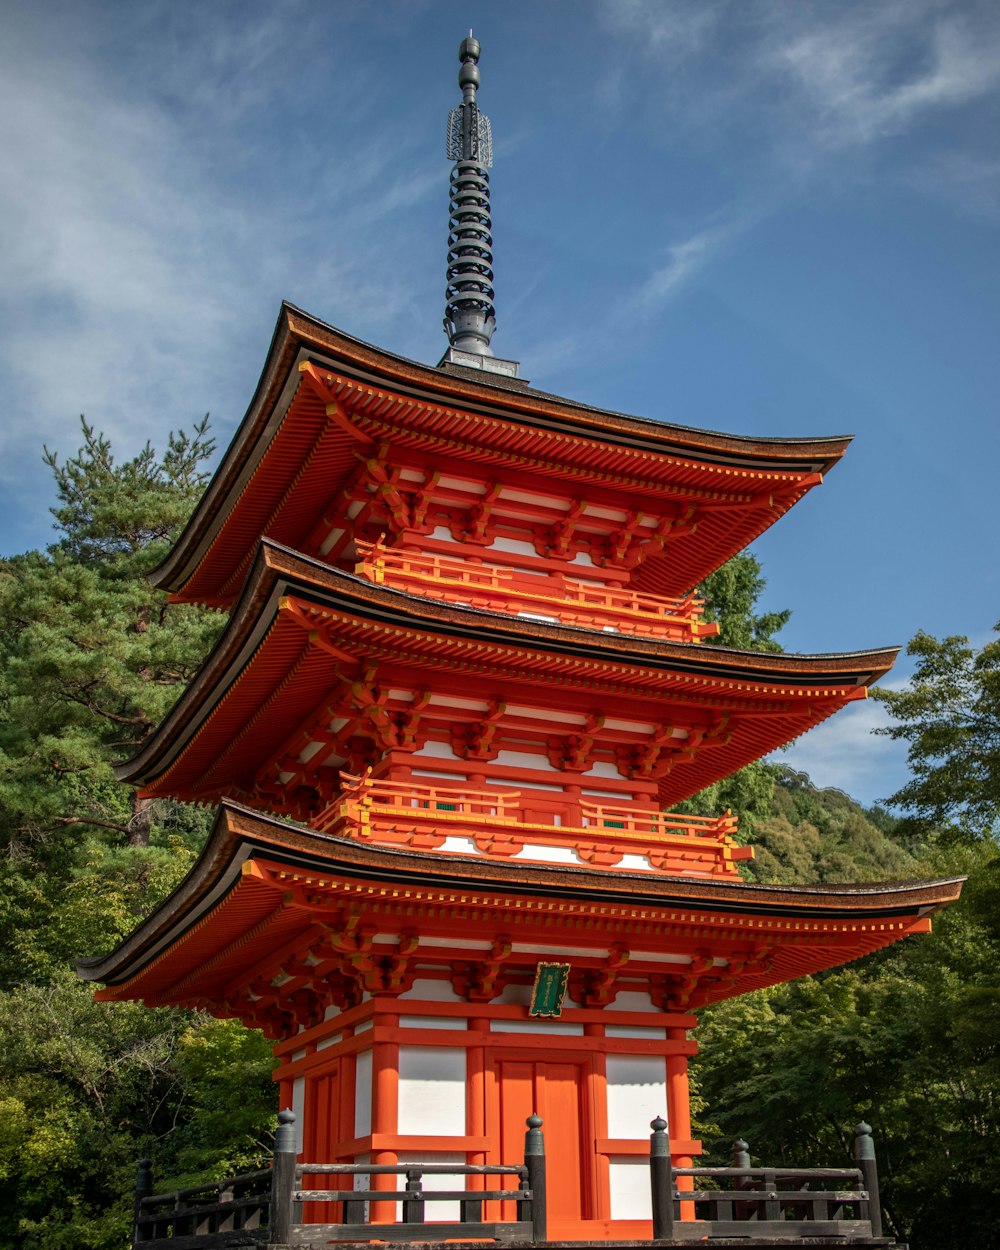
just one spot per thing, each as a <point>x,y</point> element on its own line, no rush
<point>838,77</point>
<point>865,75</point>
<point>845,753</point>
<point>139,235</point>
<point>822,88</point>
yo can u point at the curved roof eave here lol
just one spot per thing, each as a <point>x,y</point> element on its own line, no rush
<point>240,832</point>
<point>297,332</point>
<point>278,570</point>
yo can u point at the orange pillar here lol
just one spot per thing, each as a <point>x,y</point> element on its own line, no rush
<point>385,1114</point>
<point>679,1113</point>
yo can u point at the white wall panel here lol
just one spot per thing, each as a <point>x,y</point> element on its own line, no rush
<point>637,1093</point>
<point>630,1193</point>
<point>432,1090</point>
<point>363,1094</point>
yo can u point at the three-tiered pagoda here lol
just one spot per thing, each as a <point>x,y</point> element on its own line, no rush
<point>463,682</point>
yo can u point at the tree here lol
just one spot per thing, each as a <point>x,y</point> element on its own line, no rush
<point>950,716</point>
<point>93,656</point>
<point>731,594</point>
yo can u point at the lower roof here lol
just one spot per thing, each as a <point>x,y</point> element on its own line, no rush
<point>263,913</point>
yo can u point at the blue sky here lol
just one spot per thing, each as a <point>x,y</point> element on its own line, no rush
<point>770,217</point>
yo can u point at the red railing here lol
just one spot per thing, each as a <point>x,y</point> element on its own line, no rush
<point>565,599</point>
<point>488,822</point>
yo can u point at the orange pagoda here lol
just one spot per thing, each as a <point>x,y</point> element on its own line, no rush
<point>463,682</point>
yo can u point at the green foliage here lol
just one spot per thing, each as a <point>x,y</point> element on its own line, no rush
<point>88,1088</point>
<point>950,716</point>
<point>905,1039</point>
<point>731,595</point>
<point>811,835</point>
<point>91,658</point>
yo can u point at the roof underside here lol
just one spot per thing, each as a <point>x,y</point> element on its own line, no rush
<point>304,633</point>
<point>325,398</point>
<point>252,919</point>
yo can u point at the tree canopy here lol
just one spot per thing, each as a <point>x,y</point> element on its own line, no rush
<point>950,716</point>
<point>91,658</point>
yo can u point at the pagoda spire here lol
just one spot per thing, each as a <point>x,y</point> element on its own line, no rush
<point>470,317</point>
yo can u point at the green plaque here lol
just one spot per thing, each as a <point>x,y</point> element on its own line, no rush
<point>549,990</point>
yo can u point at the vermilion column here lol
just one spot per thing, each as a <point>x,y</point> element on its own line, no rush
<point>679,1112</point>
<point>385,1113</point>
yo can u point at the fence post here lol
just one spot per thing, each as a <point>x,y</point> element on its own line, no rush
<point>282,1180</point>
<point>864,1157</point>
<point>413,1206</point>
<point>534,1161</point>
<point>143,1189</point>
<point>661,1180</point>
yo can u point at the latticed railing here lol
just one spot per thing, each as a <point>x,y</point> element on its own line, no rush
<point>489,822</point>
<point>295,1204</point>
<point>555,597</point>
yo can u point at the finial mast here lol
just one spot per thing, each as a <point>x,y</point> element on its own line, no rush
<point>470,317</point>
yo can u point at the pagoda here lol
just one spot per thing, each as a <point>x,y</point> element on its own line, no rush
<point>464,679</point>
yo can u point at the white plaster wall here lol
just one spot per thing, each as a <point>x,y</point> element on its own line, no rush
<point>299,1107</point>
<point>633,1000</point>
<point>429,990</point>
<point>363,1094</point>
<point>432,1090</point>
<point>637,1093</point>
<point>548,854</point>
<point>551,1027</point>
<point>433,1022</point>
<point>630,1192</point>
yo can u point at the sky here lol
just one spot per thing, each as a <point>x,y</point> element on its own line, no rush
<point>767,217</point>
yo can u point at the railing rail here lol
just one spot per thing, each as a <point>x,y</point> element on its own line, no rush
<point>424,816</point>
<point>267,1206</point>
<point>227,1210</point>
<point>756,1204</point>
<point>763,1203</point>
<point>568,599</point>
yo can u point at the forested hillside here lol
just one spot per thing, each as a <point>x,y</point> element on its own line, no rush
<point>91,658</point>
<point>906,1039</point>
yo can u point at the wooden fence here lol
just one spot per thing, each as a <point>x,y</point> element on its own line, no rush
<point>763,1206</point>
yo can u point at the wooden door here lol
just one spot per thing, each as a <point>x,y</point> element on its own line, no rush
<point>554,1089</point>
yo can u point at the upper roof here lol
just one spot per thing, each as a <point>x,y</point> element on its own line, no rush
<point>324,395</point>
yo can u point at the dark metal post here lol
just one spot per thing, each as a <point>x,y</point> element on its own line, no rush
<point>143,1189</point>
<point>661,1180</point>
<point>864,1157</point>
<point>282,1180</point>
<point>741,1159</point>
<point>534,1161</point>
<point>413,1203</point>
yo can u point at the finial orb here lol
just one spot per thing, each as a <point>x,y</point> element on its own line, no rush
<point>469,74</point>
<point>469,49</point>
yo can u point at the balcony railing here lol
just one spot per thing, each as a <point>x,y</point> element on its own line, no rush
<point>488,822</point>
<point>554,597</point>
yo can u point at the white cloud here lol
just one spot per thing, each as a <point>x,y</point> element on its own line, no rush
<point>129,234</point>
<point>844,752</point>
<point>865,75</point>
